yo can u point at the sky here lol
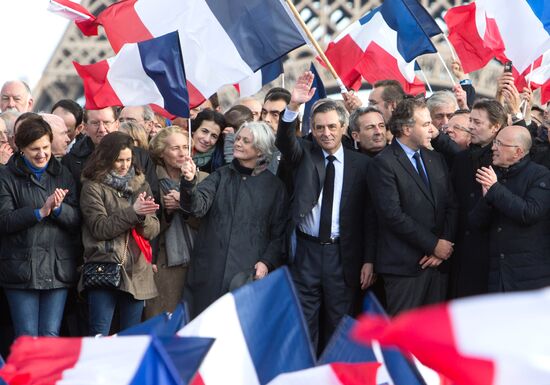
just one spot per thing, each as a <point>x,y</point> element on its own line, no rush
<point>30,34</point>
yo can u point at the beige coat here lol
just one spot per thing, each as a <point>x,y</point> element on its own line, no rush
<point>108,218</point>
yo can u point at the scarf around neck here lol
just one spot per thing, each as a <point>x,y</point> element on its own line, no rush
<point>120,183</point>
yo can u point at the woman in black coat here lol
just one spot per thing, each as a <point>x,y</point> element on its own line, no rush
<point>243,209</point>
<point>39,227</point>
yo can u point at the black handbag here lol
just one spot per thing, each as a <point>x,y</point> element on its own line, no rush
<point>103,275</point>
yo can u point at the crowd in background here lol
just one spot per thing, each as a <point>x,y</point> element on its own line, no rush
<point>419,199</point>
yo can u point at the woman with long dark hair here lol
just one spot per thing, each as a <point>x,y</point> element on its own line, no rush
<point>119,218</point>
<point>207,130</point>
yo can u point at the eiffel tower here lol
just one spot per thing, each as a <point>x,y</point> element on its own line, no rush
<point>325,18</point>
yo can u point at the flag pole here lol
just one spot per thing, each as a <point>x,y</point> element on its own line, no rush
<point>528,86</point>
<point>453,54</point>
<point>190,136</point>
<point>446,68</point>
<point>283,79</point>
<point>426,80</point>
<point>308,33</point>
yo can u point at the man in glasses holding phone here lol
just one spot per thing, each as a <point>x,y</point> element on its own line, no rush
<point>515,209</point>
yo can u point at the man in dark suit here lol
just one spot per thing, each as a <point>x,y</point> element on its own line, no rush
<point>416,212</point>
<point>330,213</point>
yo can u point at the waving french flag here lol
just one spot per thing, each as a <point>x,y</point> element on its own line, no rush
<point>260,333</point>
<point>138,360</point>
<point>499,339</point>
<point>384,44</point>
<point>222,41</point>
<point>149,72</point>
<point>516,30</point>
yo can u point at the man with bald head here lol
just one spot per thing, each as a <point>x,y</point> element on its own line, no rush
<point>61,140</point>
<point>515,208</point>
<point>16,95</point>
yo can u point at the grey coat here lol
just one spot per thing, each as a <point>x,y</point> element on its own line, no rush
<point>243,222</point>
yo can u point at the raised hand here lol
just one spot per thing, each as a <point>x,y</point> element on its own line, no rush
<point>458,71</point>
<point>188,168</point>
<point>351,101</point>
<point>5,153</point>
<point>59,195</point>
<point>302,91</point>
<point>145,205</point>
<point>461,97</point>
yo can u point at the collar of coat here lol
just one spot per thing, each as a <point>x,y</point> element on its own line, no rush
<point>17,166</point>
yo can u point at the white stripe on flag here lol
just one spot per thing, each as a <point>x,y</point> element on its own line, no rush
<point>382,375</point>
<point>107,361</point>
<point>320,375</point>
<point>202,47</point>
<point>228,361</point>
<point>128,79</point>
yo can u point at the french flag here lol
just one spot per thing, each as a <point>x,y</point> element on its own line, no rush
<point>517,30</point>
<point>222,41</point>
<point>138,360</point>
<point>148,72</point>
<point>162,325</point>
<point>260,333</point>
<point>331,374</point>
<point>499,339</point>
<point>75,12</point>
<point>540,77</point>
<point>384,44</point>
<point>263,76</point>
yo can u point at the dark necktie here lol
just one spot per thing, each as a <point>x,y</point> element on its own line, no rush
<point>420,169</point>
<point>325,223</point>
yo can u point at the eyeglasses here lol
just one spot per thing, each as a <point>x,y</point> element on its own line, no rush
<point>457,127</point>
<point>498,143</point>
<point>96,124</point>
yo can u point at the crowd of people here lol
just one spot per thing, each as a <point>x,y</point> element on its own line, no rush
<point>109,217</point>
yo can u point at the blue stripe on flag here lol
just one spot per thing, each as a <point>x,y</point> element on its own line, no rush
<point>422,16</point>
<point>162,61</point>
<point>541,9</point>
<point>261,30</point>
<point>273,326</point>
<point>187,354</point>
<point>412,40</point>
<point>156,368</point>
<point>271,71</point>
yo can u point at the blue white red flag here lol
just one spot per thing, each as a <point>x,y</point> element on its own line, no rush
<point>384,44</point>
<point>260,333</point>
<point>320,93</point>
<point>499,339</point>
<point>222,41</point>
<point>75,12</point>
<point>148,72</point>
<point>263,76</point>
<point>331,374</point>
<point>137,360</point>
<point>162,325</point>
<point>517,30</point>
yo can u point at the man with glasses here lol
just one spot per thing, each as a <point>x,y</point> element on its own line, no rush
<point>97,124</point>
<point>515,209</point>
<point>141,115</point>
<point>470,262</point>
<point>457,129</point>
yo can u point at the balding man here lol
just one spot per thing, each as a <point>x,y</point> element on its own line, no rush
<point>142,115</point>
<point>61,140</point>
<point>254,105</point>
<point>515,209</point>
<point>16,95</point>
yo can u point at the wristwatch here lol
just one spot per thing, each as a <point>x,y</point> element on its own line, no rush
<point>517,117</point>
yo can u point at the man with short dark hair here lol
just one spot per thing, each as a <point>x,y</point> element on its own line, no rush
<point>515,210</point>
<point>331,213</point>
<point>368,130</point>
<point>275,102</point>
<point>413,197</point>
<point>385,96</point>
<point>71,113</point>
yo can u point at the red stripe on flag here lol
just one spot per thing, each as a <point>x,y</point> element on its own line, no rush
<point>463,34</point>
<point>378,64</point>
<point>428,334</point>
<point>197,380</point>
<point>345,55</point>
<point>356,374</point>
<point>40,360</point>
<point>123,25</point>
<point>97,90</point>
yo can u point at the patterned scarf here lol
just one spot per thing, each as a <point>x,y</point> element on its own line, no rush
<point>120,183</point>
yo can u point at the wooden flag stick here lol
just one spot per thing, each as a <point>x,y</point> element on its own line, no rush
<point>426,80</point>
<point>446,68</point>
<point>308,33</point>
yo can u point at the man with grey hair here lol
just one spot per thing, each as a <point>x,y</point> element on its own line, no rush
<point>16,95</point>
<point>515,208</point>
<point>9,118</point>
<point>5,150</point>
<point>331,214</point>
<point>442,105</point>
<point>142,115</point>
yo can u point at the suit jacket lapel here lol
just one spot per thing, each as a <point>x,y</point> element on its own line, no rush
<point>432,171</point>
<point>319,161</point>
<point>348,178</point>
<point>407,165</point>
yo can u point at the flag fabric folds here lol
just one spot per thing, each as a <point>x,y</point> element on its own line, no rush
<point>331,374</point>
<point>499,339</point>
<point>383,45</point>
<point>485,29</point>
<point>320,93</point>
<point>162,325</point>
<point>137,360</point>
<point>259,330</point>
<point>76,12</point>
<point>263,76</point>
<point>222,41</point>
<point>148,72</point>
